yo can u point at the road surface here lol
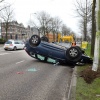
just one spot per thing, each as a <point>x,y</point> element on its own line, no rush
<point>25,78</point>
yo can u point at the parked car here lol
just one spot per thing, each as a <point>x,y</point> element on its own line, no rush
<point>42,50</point>
<point>14,45</point>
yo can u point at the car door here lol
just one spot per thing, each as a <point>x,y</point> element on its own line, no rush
<point>21,44</point>
<point>17,44</point>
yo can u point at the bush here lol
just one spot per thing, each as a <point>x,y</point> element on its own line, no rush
<point>2,41</point>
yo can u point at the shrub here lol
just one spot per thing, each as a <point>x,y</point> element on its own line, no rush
<point>2,41</point>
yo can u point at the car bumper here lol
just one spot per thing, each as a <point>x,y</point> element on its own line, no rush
<point>8,48</point>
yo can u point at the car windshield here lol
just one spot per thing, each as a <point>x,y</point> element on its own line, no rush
<point>8,42</point>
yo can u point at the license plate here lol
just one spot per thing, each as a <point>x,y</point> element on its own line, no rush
<point>6,47</point>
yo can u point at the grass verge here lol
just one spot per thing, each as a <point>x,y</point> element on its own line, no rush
<point>85,91</point>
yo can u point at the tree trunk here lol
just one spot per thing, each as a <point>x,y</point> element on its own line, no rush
<point>93,28</point>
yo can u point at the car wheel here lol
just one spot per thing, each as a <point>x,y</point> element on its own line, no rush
<point>15,48</point>
<point>5,49</point>
<point>34,40</point>
<point>23,47</point>
<point>44,38</point>
<point>78,48</point>
<point>73,54</point>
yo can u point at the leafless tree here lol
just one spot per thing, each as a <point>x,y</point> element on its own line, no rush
<point>65,30</point>
<point>84,11</point>
<point>93,27</point>
<point>45,23</point>
<point>7,16</point>
<point>2,5</point>
<point>1,1</point>
<point>44,20</point>
<point>57,23</point>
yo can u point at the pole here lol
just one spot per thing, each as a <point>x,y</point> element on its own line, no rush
<point>97,40</point>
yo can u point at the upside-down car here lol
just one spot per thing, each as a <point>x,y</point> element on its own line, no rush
<point>42,50</point>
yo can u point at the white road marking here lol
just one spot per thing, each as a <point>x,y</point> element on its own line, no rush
<point>17,51</point>
<point>1,50</point>
<point>19,62</point>
<point>4,54</point>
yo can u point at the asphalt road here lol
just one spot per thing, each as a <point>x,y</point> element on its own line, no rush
<point>25,78</point>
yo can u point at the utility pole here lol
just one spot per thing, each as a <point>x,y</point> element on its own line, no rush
<point>97,40</point>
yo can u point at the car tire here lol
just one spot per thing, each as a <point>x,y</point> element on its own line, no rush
<point>73,54</point>
<point>34,40</point>
<point>5,49</point>
<point>78,48</point>
<point>44,38</point>
<point>15,48</point>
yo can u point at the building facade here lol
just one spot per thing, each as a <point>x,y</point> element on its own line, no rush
<point>18,31</point>
<point>14,31</point>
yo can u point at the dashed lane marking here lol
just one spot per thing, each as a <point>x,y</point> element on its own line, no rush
<point>4,54</point>
<point>19,62</point>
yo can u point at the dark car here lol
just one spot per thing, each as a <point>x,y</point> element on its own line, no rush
<point>42,50</point>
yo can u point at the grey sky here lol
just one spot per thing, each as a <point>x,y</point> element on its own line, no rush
<point>64,9</point>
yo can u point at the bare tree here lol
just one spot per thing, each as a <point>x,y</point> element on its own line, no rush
<point>93,27</point>
<point>7,15</point>
<point>44,20</point>
<point>1,1</point>
<point>65,30</point>
<point>83,9</point>
<point>46,23</point>
<point>57,25</point>
<point>2,5</point>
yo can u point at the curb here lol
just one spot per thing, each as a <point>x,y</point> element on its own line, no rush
<point>72,88</point>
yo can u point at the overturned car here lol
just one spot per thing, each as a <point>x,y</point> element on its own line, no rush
<point>42,50</point>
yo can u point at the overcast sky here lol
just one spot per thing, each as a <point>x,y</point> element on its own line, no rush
<point>64,9</point>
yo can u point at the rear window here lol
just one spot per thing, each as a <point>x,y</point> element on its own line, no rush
<point>8,42</point>
<point>16,42</point>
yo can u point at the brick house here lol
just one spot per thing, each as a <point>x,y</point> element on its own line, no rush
<point>15,30</point>
<point>18,31</point>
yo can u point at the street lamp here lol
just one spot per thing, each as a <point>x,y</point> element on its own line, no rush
<point>35,24</point>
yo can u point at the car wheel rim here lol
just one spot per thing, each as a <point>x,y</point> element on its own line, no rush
<point>34,39</point>
<point>73,52</point>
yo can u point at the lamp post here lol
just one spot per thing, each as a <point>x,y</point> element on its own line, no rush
<point>30,25</point>
<point>34,24</point>
<point>97,40</point>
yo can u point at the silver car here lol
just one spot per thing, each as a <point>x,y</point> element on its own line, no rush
<point>14,45</point>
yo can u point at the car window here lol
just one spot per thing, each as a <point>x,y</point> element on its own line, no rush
<point>21,42</point>
<point>40,57</point>
<point>16,42</point>
<point>50,60</point>
<point>8,42</point>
